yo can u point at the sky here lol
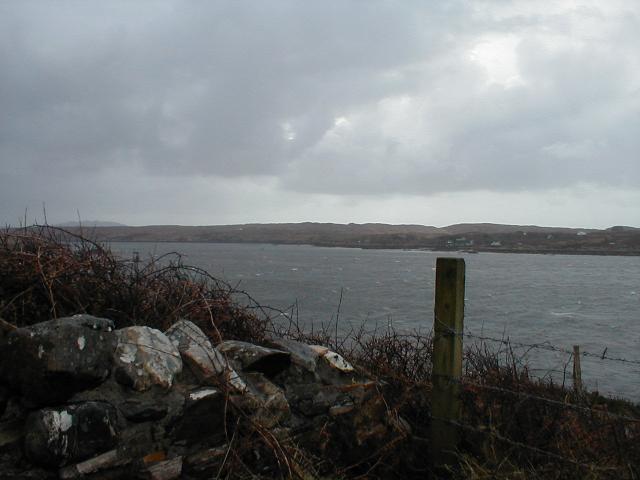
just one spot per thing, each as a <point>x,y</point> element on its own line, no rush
<point>223,112</point>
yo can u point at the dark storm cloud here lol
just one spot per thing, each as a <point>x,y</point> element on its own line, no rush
<point>206,90</point>
<point>329,97</point>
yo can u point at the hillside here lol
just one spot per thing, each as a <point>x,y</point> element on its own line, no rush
<point>476,237</point>
<point>89,223</point>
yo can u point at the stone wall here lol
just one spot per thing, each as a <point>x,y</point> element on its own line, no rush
<point>79,399</point>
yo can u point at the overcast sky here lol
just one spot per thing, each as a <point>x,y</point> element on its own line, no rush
<point>345,111</point>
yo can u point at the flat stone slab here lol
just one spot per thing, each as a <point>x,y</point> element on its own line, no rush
<point>206,463</point>
<point>306,356</point>
<point>254,358</point>
<point>167,470</point>
<point>204,361</point>
<point>145,357</point>
<point>337,361</point>
<point>103,461</point>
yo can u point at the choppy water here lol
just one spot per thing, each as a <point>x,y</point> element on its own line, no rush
<point>564,300</point>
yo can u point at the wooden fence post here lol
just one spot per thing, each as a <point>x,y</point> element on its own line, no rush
<point>447,359</point>
<point>577,370</point>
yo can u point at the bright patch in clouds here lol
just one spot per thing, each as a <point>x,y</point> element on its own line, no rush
<point>497,56</point>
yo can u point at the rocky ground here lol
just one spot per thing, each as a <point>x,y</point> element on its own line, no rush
<point>81,399</point>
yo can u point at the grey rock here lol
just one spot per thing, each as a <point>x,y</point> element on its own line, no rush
<point>166,470</point>
<point>303,355</point>
<point>145,357</point>
<point>155,407</point>
<point>337,361</point>
<point>312,399</point>
<point>205,463</point>
<point>235,381</point>
<point>137,440</point>
<point>203,417</point>
<point>50,361</point>
<point>57,436</point>
<point>103,461</point>
<point>204,361</point>
<point>80,320</point>
<point>207,364</point>
<point>325,365</point>
<point>254,358</point>
<point>301,397</point>
<point>325,399</point>
<point>265,401</point>
<point>143,411</point>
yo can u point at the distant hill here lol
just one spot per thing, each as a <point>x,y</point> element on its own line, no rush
<point>89,223</point>
<point>498,228</point>
<point>486,237</point>
<point>330,234</point>
<point>623,228</point>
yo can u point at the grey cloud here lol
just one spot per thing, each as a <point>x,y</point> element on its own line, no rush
<point>200,89</point>
<point>573,120</point>
<point>258,89</point>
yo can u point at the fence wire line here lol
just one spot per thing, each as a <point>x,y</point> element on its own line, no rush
<point>524,446</point>
<point>548,400</point>
<point>447,331</point>
<point>545,346</point>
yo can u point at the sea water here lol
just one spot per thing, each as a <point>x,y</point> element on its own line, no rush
<point>548,300</point>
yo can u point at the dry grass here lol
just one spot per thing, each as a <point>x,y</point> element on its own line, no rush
<point>46,272</point>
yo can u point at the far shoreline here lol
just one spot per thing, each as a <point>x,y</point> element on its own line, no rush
<point>529,251</point>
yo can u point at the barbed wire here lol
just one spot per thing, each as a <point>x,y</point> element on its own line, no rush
<point>447,331</point>
<point>545,346</point>
<point>524,446</point>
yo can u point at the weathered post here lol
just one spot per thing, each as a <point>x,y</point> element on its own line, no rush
<point>577,370</point>
<point>447,359</point>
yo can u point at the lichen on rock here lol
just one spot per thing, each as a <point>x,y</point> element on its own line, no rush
<point>145,357</point>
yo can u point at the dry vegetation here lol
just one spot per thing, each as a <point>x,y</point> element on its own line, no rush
<point>513,426</point>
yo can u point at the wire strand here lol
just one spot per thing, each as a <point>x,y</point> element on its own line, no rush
<point>549,347</point>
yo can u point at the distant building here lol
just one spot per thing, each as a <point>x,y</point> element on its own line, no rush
<point>462,242</point>
<point>581,233</point>
<point>459,242</point>
<point>496,244</point>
